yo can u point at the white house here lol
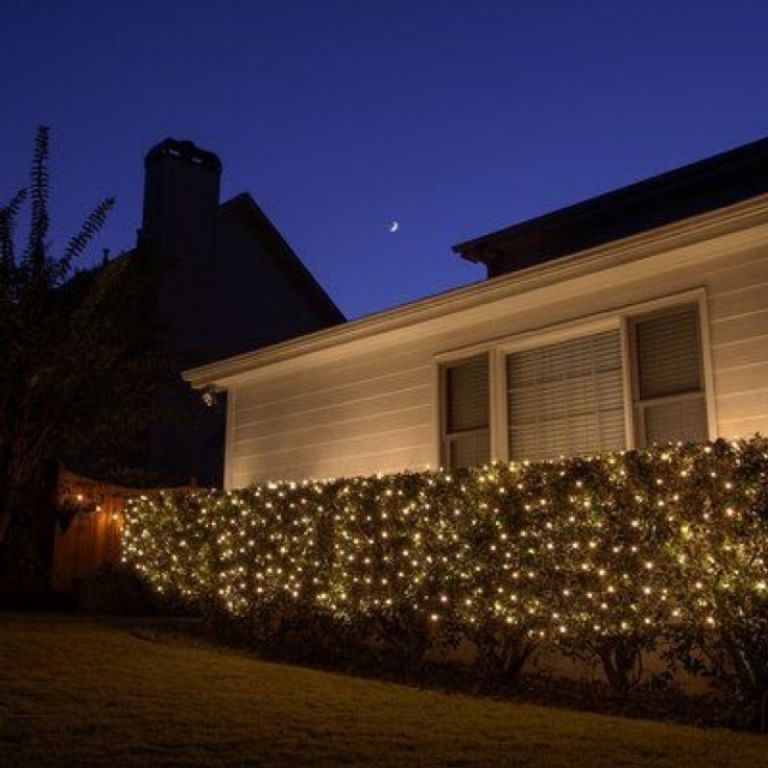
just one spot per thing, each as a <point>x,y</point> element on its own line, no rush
<point>639,316</point>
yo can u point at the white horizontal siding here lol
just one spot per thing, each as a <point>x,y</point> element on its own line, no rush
<point>736,406</point>
<point>303,393</point>
<point>364,414</point>
<point>264,441</point>
<point>282,418</point>
<point>750,378</point>
<point>749,299</point>
<point>325,461</point>
<point>347,446</point>
<point>736,329</point>
<point>738,309</point>
<point>371,411</point>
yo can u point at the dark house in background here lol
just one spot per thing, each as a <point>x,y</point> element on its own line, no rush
<point>228,283</point>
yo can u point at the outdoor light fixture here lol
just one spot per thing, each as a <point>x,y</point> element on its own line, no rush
<point>208,396</point>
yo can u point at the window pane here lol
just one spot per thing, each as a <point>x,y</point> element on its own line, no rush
<point>566,399</point>
<point>470,450</point>
<point>683,419</point>
<point>668,354</point>
<point>467,411</point>
<point>668,360</point>
<point>467,395</point>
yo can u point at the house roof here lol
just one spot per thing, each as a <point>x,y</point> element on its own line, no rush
<point>288,260</point>
<point>718,181</point>
<point>741,221</point>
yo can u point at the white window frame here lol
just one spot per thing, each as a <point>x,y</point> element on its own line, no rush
<point>619,318</point>
<point>639,404</point>
<point>444,438</point>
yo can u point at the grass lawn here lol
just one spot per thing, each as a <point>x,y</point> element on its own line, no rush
<point>82,693</point>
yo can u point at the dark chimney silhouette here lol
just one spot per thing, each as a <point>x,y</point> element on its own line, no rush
<point>181,195</point>
<point>181,200</point>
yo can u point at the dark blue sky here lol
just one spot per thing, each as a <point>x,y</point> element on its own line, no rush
<point>455,118</point>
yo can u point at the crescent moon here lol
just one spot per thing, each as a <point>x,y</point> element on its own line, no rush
<point>394,226</point>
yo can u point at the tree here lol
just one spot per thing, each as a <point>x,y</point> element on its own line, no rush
<point>77,370</point>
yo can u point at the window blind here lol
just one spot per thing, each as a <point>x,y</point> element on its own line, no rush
<point>566,398</point>
<point>670,399</point>
<point>467,390</point>
<point>467,413</point>
<point>668,356</point>
<point>472,449</point>
<point>680,419</point>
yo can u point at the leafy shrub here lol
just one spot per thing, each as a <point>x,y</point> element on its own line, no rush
<point>607,558</point>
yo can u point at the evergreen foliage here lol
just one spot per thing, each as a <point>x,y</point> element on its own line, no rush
<point>607,558</point>
<point>75,368</point>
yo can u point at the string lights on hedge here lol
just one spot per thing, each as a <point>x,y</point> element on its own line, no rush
<point>636,545</point>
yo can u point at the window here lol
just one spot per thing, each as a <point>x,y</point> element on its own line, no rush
<point>632,379</point>
<point>466,413</point>
<point>668,381</point>
<point>567,398</point>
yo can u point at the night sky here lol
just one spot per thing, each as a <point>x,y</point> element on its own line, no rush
<point>454,118</point>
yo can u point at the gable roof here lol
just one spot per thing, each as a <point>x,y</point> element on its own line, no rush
<point>706,185</point>
<point>286,258</point>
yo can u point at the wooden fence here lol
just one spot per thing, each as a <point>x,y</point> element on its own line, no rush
<point>89,529</point>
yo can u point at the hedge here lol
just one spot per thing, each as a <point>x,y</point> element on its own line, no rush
<point>606,557</point>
